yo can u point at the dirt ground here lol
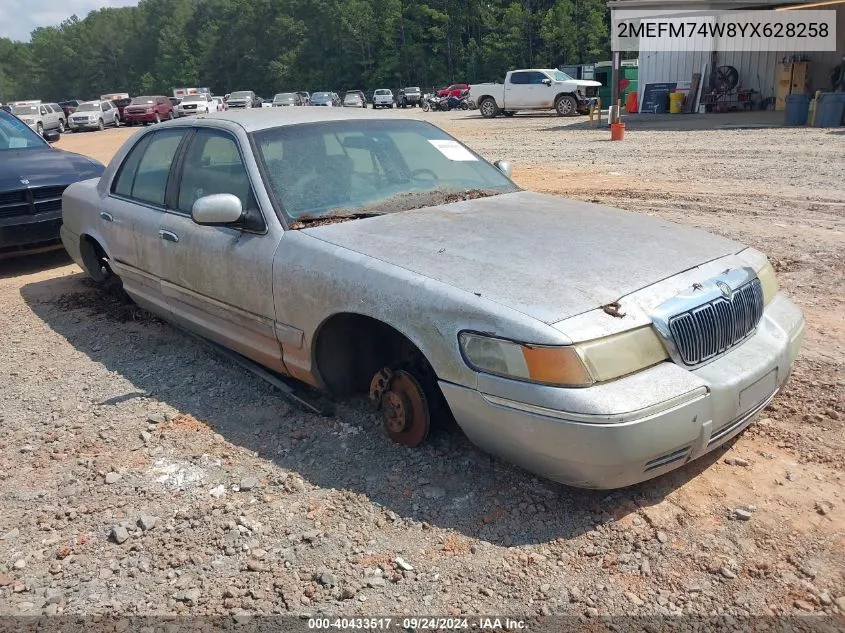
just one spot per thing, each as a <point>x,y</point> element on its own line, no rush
<point>142,473</point>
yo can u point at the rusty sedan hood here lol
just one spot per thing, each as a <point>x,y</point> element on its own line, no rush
<point>545,256</point>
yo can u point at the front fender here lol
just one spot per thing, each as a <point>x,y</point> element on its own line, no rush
<point>314,280</point>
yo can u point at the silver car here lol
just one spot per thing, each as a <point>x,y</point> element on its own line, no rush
<point>40,116</point>
<point>94,115</point>
<point>356,251</point>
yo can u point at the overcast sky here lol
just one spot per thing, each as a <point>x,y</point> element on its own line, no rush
<point>18,18</point>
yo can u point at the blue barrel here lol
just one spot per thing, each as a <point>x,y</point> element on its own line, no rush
<point>797,109</point>
<point>830,109</point>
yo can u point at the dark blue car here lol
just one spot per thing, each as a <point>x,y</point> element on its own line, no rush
<point>33,176</point>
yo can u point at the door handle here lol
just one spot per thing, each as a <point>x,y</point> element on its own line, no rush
<point>170,236</point>
<point>108,217</point>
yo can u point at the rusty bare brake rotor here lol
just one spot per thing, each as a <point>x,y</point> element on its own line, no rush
<point>403,405</point>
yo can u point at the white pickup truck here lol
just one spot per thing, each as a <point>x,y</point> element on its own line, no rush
<point>532,89</point>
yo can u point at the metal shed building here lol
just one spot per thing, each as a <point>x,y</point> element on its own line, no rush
<point>758,69</point>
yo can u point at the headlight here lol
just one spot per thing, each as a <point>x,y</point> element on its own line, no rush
<point>768,281</point>
<point>28,120</point>
<point>622,354</point>
<point>550,365</point>
<point>578,365</point>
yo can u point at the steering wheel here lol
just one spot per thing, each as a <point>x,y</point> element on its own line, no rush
<point>419,174</point>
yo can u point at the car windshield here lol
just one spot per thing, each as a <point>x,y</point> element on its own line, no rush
<point>559,75</point>
<point>25,109</point>
<point>194,98</point>
<point>382,92</point>
<point>238,95</point>
<point>88,107</point>
<point>352,96</point>
<point>285,96</point>
<point>15,134</point>
<point>143,100</point>
<point>360,167</point>
<point>321,96</point>
<point>416,89</point>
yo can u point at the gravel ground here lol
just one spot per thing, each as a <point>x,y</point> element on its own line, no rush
<point>142,473</point>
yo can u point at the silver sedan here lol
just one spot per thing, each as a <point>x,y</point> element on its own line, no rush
<point>360,252</point>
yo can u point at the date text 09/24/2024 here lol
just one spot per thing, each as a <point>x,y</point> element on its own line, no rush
<point>415,623</point>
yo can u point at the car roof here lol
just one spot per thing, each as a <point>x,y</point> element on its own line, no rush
<point>256,119</point>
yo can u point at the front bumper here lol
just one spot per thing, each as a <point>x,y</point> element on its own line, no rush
<point>83,125</point>
<point>141,117</point>
<point>30,234</point>
<point>629,430</point>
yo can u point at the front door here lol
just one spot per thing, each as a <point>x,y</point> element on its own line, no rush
<point>542,90</point>
<point>132,216</point>
<point>218,280</point>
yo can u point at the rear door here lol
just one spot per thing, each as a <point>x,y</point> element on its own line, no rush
<point>517,90</point>
<point>109,112</point>
<point>132,215</point>
<point>218,280</point>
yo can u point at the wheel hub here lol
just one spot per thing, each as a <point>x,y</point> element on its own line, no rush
<point>403,405</point>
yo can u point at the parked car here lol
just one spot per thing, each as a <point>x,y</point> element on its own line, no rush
<point>455,90</point>
<point>40,116</point>
<point>409,97</point>
<point>153,109</point>
<point>94,115</point>
<point>593,346</point>
<point>219,104</point>
<point>533,89</point>
<point>196,104</point>
<point>243,99</point>
<point>33,176</point>
<point>174,101</point>
<point>354,99</point>
<point>284,99</point>
<point>121,104</point>
<point>325,99</point>
<point>266,103</point>
<point>306,97</point>
<point>69,107</point>
<point>383,98</point>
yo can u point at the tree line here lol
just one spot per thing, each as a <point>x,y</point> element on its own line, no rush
<point>271,46</point>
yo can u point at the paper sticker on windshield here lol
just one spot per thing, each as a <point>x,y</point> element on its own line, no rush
<point>453,150</point>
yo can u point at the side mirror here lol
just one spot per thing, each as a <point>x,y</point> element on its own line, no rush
<point>504,166</point>
<point>51,136</point>
<point>547,81</point>
<point>217,209</point>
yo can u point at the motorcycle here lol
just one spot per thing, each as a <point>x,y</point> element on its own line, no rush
<point>432,102</point>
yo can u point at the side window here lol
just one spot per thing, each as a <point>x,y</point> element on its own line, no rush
<point>537,77</point>
<point>122,185</point>
<point>106,106</point>
<point>44,110</point>
<point>212,165</point>
<point>519,78</point>
<point>143,175</point>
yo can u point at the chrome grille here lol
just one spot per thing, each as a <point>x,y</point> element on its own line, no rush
<point>31,201</point>
<point>710,329</point>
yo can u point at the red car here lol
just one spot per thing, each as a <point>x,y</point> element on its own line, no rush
<point>148,110</point>
<point>455,90</point>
